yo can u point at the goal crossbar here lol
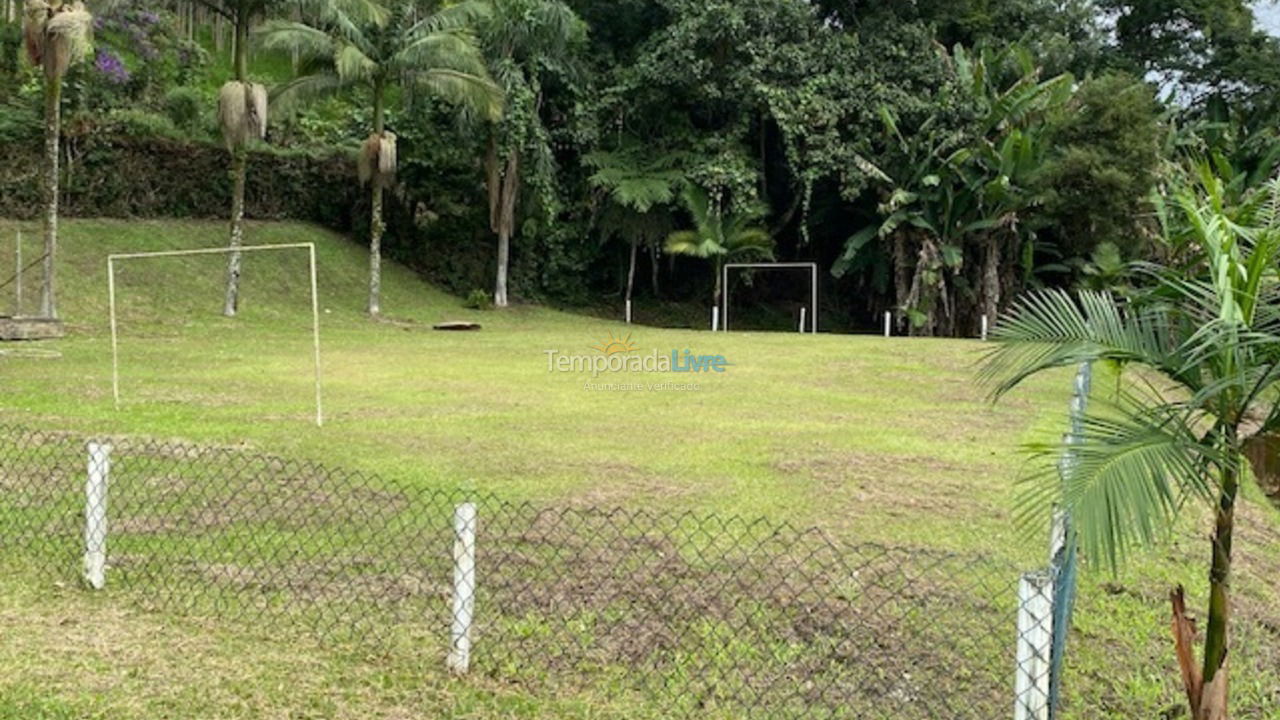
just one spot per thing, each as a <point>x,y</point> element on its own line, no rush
<point>813,286</point>
<point>315,303</point>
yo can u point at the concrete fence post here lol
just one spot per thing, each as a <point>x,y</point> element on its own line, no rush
<point>628,312</point>
<point>715,319</point>
<point>1034,646</point>
<point>802,314</point>
<point>464,587</point>
<point>95,515</point>
<point>888,323</point>
<point>985,328</point>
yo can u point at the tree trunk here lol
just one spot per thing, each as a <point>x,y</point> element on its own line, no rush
<point>631,270</point>
<point>239,169</point>
<point>901,271</point>
<point>1213,699</point>
<point>653,268</point>
<point>510,187</point>
<point>375,250</point>
<point>376,225</point>
<point>52,133</point>
<point>991,277</point>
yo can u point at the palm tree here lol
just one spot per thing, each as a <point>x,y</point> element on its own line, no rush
<point>719,235</point>
<point>1206,400</point>
<point>242,115</point>
<point>524,41</point>
<point>56,35</point>
<point>422,46</point>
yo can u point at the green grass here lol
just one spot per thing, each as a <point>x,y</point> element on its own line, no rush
<point>873,440</point>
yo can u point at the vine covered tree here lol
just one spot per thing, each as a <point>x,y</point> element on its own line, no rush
<point>427,46</point>
<point>55,36</point>
<point>526,42</point>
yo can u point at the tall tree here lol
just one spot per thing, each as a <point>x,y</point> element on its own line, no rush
<point>425,46</point>
<point>637,182</point>
<point>242,115</point>
<point>55,35</point>
<point>527,42</point>
<point>1207,346</point>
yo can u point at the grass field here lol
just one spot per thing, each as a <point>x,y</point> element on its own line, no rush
<point>873,440</point>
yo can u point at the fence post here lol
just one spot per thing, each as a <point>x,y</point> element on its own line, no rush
<point>628,312</point>
<point>95,515</point>
<point>802,314</point>
<point>464,587</point>
<point>1034,643</point>
<point>715,319</point>
<point>984,328</point>
<point>888,320</point>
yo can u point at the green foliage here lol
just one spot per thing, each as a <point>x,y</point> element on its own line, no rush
<point>1104,163</point>
<point>185,107</point>
<point>478,299</point>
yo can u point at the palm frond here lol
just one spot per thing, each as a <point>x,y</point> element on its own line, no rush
<point>472,93</point>
<point>1133,469</point>
<point>294,37</point>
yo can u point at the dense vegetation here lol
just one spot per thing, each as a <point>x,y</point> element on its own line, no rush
<point>935,158</point>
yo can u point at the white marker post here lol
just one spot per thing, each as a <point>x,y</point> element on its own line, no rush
<point>464,587</point>
<point>95,515</point>
<point>628,312</point>
<point>888,323</point>
<point>984,328</point>
<point>715,319</point>
<point>1035,640</point>
<point>802,312</point>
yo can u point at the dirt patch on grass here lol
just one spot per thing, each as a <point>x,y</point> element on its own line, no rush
<point>893,484</point>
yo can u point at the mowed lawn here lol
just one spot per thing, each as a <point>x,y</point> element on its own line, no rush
<point>875,440</point>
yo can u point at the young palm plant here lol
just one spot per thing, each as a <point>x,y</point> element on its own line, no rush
<point>420,46</point>
<point>56,35</point>
<point>718,235</point>
<point>1205,399</point>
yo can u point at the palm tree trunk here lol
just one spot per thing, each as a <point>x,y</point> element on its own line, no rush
<point>506,222</point>
<point>52,133</point>
<point>375,251</point>
<point>239,169</point>
<point>1213,699</point>
<point>376,226</point>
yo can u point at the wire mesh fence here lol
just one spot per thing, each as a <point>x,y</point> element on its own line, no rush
<point>702,614</point>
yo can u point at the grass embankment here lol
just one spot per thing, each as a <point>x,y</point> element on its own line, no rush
<point>873,440</point>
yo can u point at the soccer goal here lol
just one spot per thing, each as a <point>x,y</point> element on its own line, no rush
<point>111,301</point>
<point>811,311</point>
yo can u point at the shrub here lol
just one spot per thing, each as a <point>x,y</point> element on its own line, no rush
<point>184,106</point>
<point>478,300</point>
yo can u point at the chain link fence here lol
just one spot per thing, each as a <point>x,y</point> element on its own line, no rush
<point>707,616</point>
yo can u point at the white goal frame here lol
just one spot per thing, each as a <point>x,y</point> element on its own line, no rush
<point>813,286</point>
<point>111,300</point>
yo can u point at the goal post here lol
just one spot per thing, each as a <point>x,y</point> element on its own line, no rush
<point>315,304</point>
<point>813,286</point>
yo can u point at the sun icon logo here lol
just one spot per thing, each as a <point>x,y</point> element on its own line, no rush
<point>615,345</point>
